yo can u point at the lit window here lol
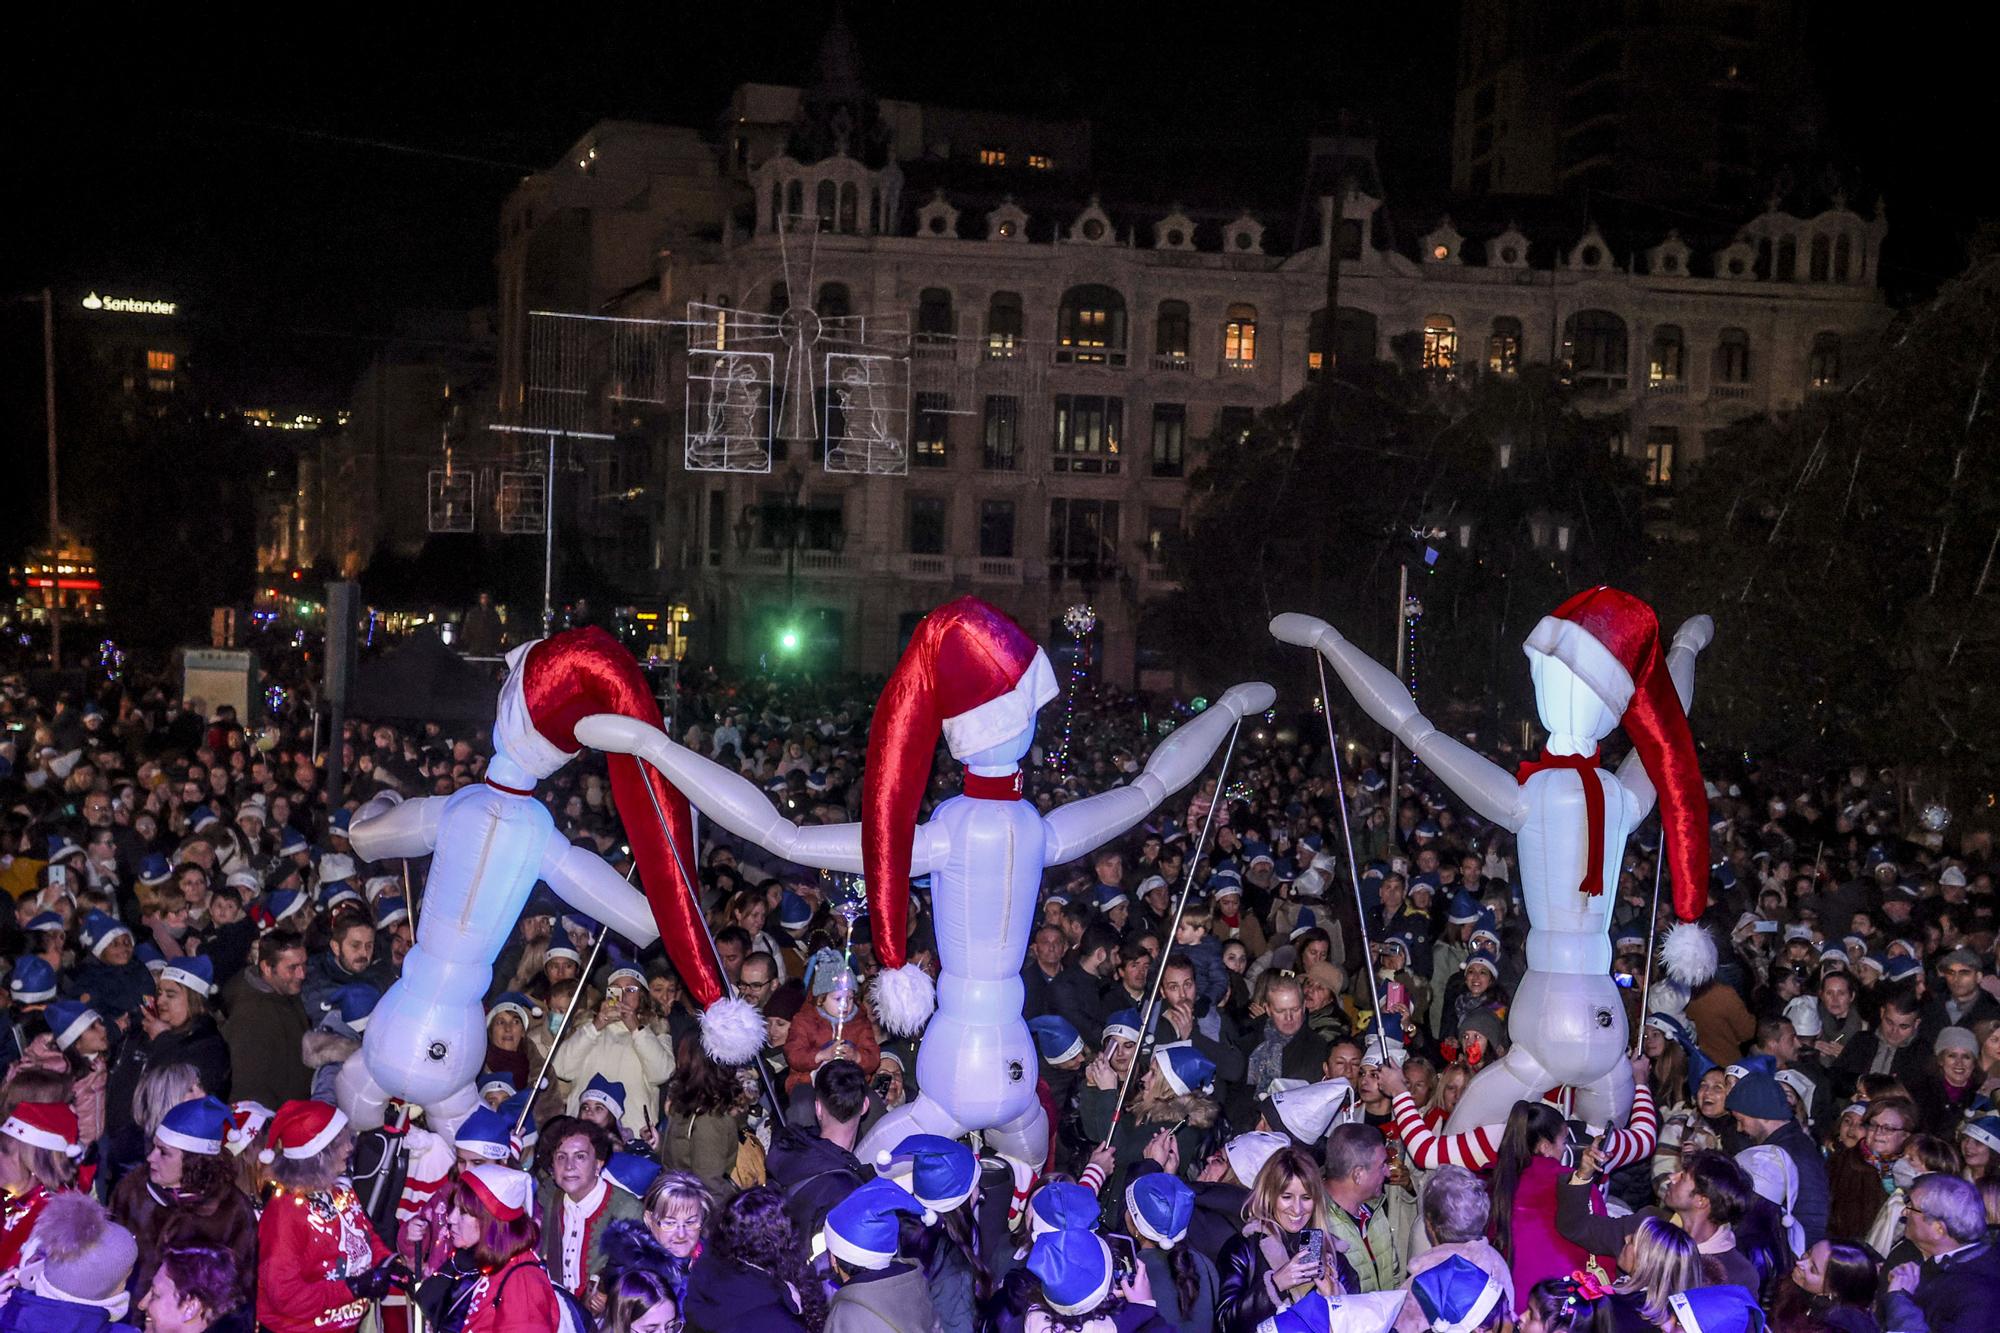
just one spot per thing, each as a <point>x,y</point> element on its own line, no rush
<point>1440,343</point>
<point>1239,337</point>
<point>992,157</point>
<point>933,414</point>
<point>160,361</point>
<point>1003,324</point>
<point>1090,326</point>
<point>1087,434</point>
<point>1503,346</point>
<point>1661,443</point>
<point>1823,366</point>
<point>1041,162</point>
<point>1664,365</point>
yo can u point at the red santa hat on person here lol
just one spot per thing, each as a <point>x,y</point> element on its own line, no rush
<point>303,1129</point>
<point>48,1125</point>
<point>974,677</point>
<point>507,1193</point>
<point>553,684</point>
<point>1611,641</point>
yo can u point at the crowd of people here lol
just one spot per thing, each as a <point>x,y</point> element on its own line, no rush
<point>197,947</point>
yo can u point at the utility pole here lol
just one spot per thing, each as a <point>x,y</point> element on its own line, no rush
<point>55,535</point>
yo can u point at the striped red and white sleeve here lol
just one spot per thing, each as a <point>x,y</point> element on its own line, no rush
<point>1092,1178</point>
<point>1475,1149</point>
<point>1622,1147</point>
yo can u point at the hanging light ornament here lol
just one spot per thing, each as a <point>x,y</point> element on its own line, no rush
<point>1079,620</point>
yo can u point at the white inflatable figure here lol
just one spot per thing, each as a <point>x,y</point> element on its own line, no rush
<point>974,676</point>
<point>1597,664</point>
<point>489,844</point>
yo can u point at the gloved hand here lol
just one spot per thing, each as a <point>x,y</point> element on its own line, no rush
<point>375,1283</point>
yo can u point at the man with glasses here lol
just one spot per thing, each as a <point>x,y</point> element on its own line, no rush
<point>757,979</point>
<point>1859,1177</point>
<point>1956,1288</point>
<point>1764,1116</point>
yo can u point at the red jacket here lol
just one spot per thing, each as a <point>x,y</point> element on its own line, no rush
<point>515,1298</point>
<point>812,1029</point>
<point>308,1246</point>
<point>17,1220</point>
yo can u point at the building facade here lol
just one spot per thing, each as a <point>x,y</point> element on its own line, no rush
<point>1060,359</point>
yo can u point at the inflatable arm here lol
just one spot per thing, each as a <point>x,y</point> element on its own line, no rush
<point>407,829</point>
<point>1482,784</point>
<point>587,883</point>
<point>735,802</point>
<point>1082,826</point>
<point>1695,634</point>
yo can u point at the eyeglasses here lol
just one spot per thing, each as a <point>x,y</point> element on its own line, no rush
<point>1877,1127</point>
<point>679,1225</point>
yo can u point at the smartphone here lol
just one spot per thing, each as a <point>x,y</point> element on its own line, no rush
<point>1395,994</point>
<point>1312,1246</point>
<point>58,877</point>
<point>1124,1255</point>
<point>1766,927</point>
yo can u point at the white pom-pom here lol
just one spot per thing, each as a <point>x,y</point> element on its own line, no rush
<point>883,1158</point>
<point>732,1032</point>
<point>1688,954</point>
<point>904,998</point>
<point>267,1157</point>
<point>930,1218</point>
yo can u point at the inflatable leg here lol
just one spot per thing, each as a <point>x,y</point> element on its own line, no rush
<point>1024,1138</point>
<point>1607,1102</point>
<point>1490,1097</point>
<point>922,1116</point>
<point>359,1095</point>
<point>444,1117</point>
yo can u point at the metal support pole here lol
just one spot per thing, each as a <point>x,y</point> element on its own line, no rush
<point>55,527</point>
<point>1652,938</point>
<point>549,544</point>
<point>1148,1012</point>
<point>583,978</point>
<point>1353,867</point>
<point>1395,746</point>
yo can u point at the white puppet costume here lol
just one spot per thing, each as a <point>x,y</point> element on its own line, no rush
<point>1597,664</point>
<point>489,844</point>
<point>974,677</point>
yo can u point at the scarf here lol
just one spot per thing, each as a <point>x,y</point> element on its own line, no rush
<point>1585,767</point>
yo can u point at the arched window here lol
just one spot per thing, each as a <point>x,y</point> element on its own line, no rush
<point>1170,332</point>
<point>1595,354</point>
<point>1440,343</point>
<point>1239,337</point>
<point>1090,326</point>
<point>834,301</point>
<point>849,207</point>
<point>1823,365</point>
<point>1003,325</point>
<point>1843,257</point>
<point>795,200</point>
<point>1788,259</point>
<point>1503,346</point>
<point>1664,361</point>
<point>1732,357</point>
<point>823,205</point>
<point>935,321</point>
<point>1822,257</point>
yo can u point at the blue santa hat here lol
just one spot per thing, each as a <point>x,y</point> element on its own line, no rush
<point>1061,1205</point>
<point>99,929</point>
<point>203,817</point>
<point>390,910</point>
<point>605,1093</point>
<point>794,912</point>
<point>497,1080</point>
<point>940,1173</point>
<point>1483,958</point>
<point>1307,921</point>
<point>346,1011</point>
<point>517,1004</point>
<point>1901,968</point>
<point>1110,896</point>
<point>1984,1130</point>
<point>632,1173</point>
<point>1160,1206</point>
<point>149,954</point>
<point>1372,781</point>
<point>284,903</point>
<point>195,973</point>
<point>1374,1312</point>
<point>1225,883</point>
<point>486,1133</point>
<point>1720,1309</point>
<point>61,848</point>
<point>1054,1038</point>
<point>1123,1024</point>
<point>335,892</point>
<point>69,1020</point>
<point>154,870</point>
<point>518,1109</point>
<point>339,822</point>
<point>1464,909</point>
<point>1184,1068</point>
<point>292,843</point>
<point>33,981</point>
<point>46,921</point>
<point>1075,1269</point>
<point>1456,1296</point>
<point>861,1229</point>
<point>199,1126</point>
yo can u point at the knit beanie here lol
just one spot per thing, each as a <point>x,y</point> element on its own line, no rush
<point>87,1258</point>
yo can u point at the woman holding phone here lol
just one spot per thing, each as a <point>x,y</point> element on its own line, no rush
<point>1282,1251</point>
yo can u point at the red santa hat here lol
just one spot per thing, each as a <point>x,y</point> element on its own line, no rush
<point>505,1191</point>
<point>974,677</point>
<point>302,1129</point>
<point>553,684</point>
<point>1611,640</point>
<point>49,1125</point>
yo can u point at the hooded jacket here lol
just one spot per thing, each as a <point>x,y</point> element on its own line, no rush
<point>724,1296</point>
<point>895,1299</point>
<point>629,1246</point>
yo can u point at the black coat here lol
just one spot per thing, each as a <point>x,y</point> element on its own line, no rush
<point>814,1175</point>
<point>201,1046</point>
<point>1956,1295</point>
<point>1218,1212</point>
<point>1815,1194</point>
<point>724,1296</point>
<point>1243,1302</point>
<point>1912,1062</point>
<point>1079,997</point>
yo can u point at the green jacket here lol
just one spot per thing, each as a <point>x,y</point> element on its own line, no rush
<point>1375,1252</point>
<point>705,1145</point>
<point>616,1206</point>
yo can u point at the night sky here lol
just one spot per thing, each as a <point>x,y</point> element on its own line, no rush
<point>300,185</point>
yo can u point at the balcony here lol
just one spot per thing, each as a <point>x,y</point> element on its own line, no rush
<point>997,569</point>
<point>825,562</point>
<point>926,566</point>
<point>1170,361</point>
<point>1730,390</point>
<point>933,347</point>
<point>1675,388</point>
<point>1236,365</point>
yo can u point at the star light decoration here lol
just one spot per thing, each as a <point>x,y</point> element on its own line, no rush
<point>111,659</point>
<point>1079,620</point>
